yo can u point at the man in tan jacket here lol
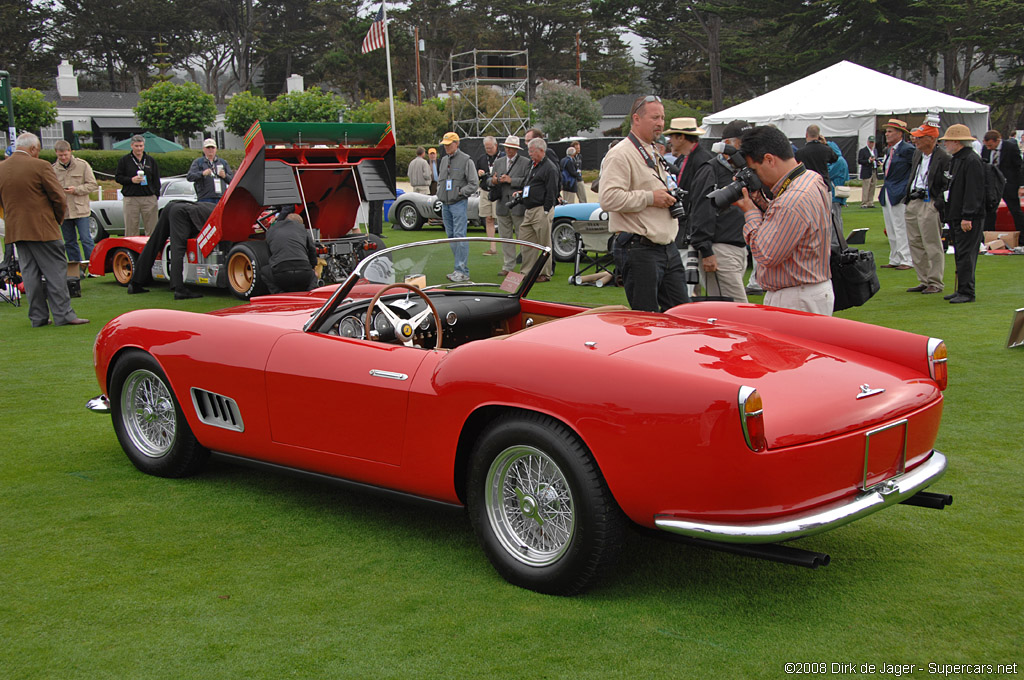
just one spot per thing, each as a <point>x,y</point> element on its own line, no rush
<point>635,194</point>
<point>34,206</point>
<point>78,180</point>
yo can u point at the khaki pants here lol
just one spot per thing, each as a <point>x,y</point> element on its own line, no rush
<point>924,235</point>
<point>810,297</point>
<point>728,280</point>
<point>867,192</point>
<point>139,208</point>
<point>535,228</point>
<point>508,227</point>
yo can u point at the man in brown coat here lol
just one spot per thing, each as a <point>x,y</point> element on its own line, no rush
<point>34,205</point>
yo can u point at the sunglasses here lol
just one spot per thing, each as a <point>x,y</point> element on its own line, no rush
<point>646,100</point>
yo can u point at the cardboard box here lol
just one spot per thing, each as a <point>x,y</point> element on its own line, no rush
<point>995,244</point>
<point>1010,239</point>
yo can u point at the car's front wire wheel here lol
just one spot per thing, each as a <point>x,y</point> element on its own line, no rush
<point>148,419</point>
<point>409,217</point>
<point>540,507</point>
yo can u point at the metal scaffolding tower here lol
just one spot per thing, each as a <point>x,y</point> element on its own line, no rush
<point>505,71</point>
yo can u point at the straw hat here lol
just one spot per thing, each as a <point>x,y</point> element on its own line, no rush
<point>900,125</point>
<point>684,126</point>
<point>958,133</point>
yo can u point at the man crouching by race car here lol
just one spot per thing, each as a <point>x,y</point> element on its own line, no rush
<point>292,255</point>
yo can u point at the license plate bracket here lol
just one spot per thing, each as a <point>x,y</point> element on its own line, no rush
<point>885,453</point>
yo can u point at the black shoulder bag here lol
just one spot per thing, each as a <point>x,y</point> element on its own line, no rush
<point>854,277</point>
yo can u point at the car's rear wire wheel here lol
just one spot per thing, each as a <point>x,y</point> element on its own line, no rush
<point>540,507</point>
<point>149,421</point>
<point>122,265</point>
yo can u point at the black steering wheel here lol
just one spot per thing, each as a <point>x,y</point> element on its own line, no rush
<point>405,329</point>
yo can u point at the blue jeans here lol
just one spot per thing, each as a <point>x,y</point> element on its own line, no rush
<point>455,223</point>
<point>69,227</point>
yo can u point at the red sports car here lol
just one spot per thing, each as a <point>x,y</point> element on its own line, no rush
<point>557,426</point>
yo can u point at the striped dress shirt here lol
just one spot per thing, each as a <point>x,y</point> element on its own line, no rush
<point>791,240</point>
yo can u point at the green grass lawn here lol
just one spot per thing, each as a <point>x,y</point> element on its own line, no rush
<point>109,573</point>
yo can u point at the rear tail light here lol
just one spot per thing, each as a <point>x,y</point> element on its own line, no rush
<point>937,362</point>
<point>752,418</point>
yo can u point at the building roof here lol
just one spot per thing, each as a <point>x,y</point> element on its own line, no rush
<point>95,100</point>
<point>617,104</point>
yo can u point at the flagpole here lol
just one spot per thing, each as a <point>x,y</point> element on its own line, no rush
<point>387,50</point>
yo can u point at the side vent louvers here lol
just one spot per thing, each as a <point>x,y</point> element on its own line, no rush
<point>217,410</point>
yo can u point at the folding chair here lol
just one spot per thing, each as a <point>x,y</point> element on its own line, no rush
<point>594,261</point>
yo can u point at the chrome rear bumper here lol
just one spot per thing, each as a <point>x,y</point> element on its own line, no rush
<point>99,404</point>
<point>821,519</point>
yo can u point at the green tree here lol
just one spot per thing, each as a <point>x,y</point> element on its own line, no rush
<point>243,110</point>
<point>176,109</point>
<point>563,110</point>
<point>31,110</point>
<point>311,106</point>
<point>415,124</point>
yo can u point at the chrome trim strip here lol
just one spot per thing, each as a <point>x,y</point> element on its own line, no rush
<point>99,404</point>
<point>867,448</point>
<point>377,373</point>
<point>829,517</point>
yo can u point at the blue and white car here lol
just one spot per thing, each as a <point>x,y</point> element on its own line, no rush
<point>587,219</point>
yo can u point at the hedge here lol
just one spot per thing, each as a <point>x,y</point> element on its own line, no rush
<point>174,163</point>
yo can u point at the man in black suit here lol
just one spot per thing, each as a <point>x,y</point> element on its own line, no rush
<point>1006,155</point>
<point>867,159</point>
<point>926,205</point>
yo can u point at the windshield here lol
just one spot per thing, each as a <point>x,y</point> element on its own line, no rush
<point>430,265</point>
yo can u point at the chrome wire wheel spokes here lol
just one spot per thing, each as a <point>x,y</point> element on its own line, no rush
<point>530,506</point>
<point>148,413</point>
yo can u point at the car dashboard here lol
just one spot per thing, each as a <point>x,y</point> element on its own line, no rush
<point>465,316</point>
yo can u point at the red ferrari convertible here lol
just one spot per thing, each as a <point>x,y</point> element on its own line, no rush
<point>735,426</point>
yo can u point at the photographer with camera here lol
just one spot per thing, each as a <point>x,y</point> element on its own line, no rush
<point>635,193</point>
<point>717,235</point>
<point>790,237</point>
<point>508,178</point>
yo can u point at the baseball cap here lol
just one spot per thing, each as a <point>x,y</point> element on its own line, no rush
<point>736,129</point>
<point>449,137</point>
<point>209,142</point>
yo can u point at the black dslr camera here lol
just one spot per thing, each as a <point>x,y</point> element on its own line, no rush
<point>677,209</point>
<point>517,198</point>
<point>744,177</point>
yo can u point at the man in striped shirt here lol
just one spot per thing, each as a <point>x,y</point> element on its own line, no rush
<point>790,239</point>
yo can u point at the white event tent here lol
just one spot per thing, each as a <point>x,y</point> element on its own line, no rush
<point>852,102</point>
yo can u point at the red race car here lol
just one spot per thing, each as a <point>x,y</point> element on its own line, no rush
<point>557,426</point>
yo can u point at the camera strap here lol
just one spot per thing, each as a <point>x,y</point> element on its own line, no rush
<point>793,174</point>
<point>651,162</point>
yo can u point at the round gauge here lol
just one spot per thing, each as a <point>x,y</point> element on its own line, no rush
<point>350,327</point>
<point>383,326</point>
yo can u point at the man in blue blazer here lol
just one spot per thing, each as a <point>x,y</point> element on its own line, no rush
<point>899,157</point>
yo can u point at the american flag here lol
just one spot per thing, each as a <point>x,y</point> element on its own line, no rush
<point>375,36</point>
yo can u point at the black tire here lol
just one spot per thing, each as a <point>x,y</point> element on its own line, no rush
<point>563,241</point>
<point>122,264</point>
<point>148,419</point>
<point>96,230</point>
<point>584,526</point>
<point>245,269</point>
<point>408,217</point>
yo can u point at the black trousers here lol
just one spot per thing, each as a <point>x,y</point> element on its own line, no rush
<point>652,274</point>
<point>178,223</point>
<point>1013,204</point>
<point>290,280</point>
<point>965,254</point>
